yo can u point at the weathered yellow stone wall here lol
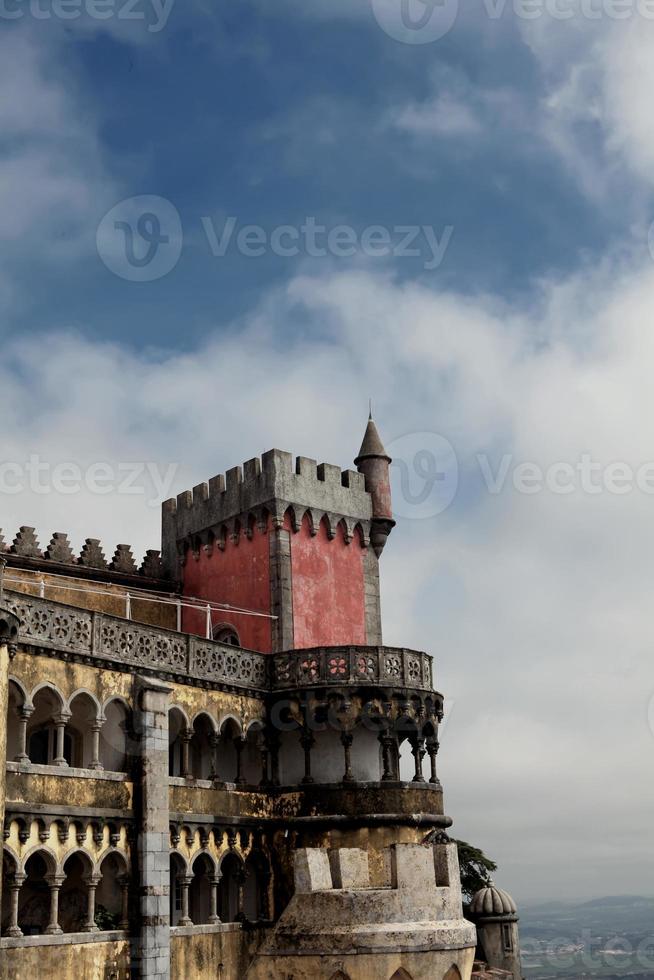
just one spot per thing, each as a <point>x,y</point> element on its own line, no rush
<point>31,671</point>
<point>84,594</point>
<point>213,955</point>
<point>68,678</point>
<point>90,961</point>
<point>61,846</point>
<point>419,966</point>
<point>71,791</point>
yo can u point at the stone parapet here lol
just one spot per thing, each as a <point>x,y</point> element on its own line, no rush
<point>264,488</point>
<point>64,630</point>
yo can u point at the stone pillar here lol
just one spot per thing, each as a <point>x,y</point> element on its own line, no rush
<point>433,746</point>
<point>24,713</point>
<point>187,735</point>
<point>123,881</point>
<point>346,739</point>
<point>418,752</point>
<point>387,768</point>
<point>14,885</point>
<point>240,894</point>
<point>8,636</point>
<point>95,746</point>
<point>60,726</point>
<point>272,741</point>
<point>214,742</point>
<point>307,741</point>
<point>239,745</point>
<point>185,884</point>
<point>91,882</point>
<point>54,884</point>
<point>153,837</point>
<point>263,748</point>
<point>214,882</point>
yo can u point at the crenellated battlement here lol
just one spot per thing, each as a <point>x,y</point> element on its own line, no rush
<point>262,489</point>
<point>26,551</point>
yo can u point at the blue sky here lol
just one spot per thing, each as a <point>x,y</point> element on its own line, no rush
<point>269,114</point>
<point>525,146</point>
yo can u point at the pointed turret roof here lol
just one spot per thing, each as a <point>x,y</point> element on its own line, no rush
<point>372,444</point>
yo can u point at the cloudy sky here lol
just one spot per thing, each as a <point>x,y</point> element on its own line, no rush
<point>509,356</point>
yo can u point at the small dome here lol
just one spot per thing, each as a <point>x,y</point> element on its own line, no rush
<point>492,901</point>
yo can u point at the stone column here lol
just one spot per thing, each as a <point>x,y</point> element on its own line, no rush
<point>418,752</point>
<point>95,746</point>
<point>272,741</point>
<point>240,894</point>
<point>8,636</point>
<point>54,884</point>
<point>214,742</point>
<point>433,746</point>
<point>264,910</point>
<point>263,748</point>
<point>24,714</point>
<point>307,741</point>
<point>185,884</point>
<point>187,735</point>
<point>153,836</point>
<point>123,881</point>
<point>386,744</point>
<point>60,726</point>
<point>214,882</point>
<point>346,739</point>
<point>238,745</point>
<point>14,885</point>
<point>91,882</point>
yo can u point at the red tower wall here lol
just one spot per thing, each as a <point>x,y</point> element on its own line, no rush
<point>328,588</point>
<point>238,576</point>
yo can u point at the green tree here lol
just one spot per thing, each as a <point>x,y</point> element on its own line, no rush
<point>475,868</point>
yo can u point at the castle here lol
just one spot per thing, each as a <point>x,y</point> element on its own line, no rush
<point>207,755</point>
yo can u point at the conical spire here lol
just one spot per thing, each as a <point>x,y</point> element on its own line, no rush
<point>372,445</point>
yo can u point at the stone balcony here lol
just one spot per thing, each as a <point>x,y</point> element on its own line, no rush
<point>96,638</point>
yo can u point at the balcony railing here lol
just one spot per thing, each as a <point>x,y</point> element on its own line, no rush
<point>65,629</point>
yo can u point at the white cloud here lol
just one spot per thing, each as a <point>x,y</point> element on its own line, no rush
<point>443,115</point>
<point>537,608</point>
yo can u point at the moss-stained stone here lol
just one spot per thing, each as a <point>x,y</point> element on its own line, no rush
<point>57,961</point>
<point>80,792</point>
<point>212,954</point>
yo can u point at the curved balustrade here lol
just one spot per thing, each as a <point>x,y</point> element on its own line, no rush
<point>60,628</point>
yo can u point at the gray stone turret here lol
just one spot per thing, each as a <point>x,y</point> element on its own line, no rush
<point>495,914</point>
<point>374,463</point>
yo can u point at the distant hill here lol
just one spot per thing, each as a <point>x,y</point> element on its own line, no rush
<point>627,915</point>
<point>610,937</point>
